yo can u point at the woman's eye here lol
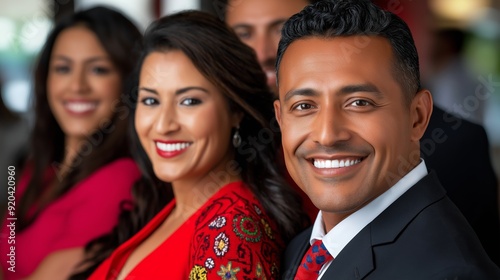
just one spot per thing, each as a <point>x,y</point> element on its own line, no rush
<point>302,107</point>
<point>190,101</point>
<point>99,70</point>
<point>61,69</point>
<point>148,101</point>
<point>360,103</point>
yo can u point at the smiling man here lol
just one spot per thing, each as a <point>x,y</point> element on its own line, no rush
<point>352,112</point>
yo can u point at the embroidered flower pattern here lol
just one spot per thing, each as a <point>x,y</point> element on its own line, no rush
<point>259,272</point>
<point>209,263</point>
<point>221,244</point>
<point>267,229</point>
<point>218,222</point>
<point>198,273</point>
<point>246,228</point>
<point>227,272</point>
<point>235,239</point>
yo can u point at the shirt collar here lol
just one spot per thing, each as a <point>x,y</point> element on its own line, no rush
<point>338,237</point>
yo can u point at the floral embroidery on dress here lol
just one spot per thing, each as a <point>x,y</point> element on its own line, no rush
<point>227,272</point>
<point>219,222</point>
<point>259,272</point>
<point>198,273</point>
<point>221,244</point>
<point>246,228</point>
<point>267,228</point>
<point>210,263</point>
<point>250,249</point>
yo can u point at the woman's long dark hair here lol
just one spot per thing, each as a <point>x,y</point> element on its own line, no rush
<point>121,39</point>
<point>233,68</point>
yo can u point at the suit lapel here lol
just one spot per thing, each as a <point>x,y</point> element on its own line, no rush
<point>355,261</point>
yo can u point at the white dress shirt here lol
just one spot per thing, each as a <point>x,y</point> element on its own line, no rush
<point>340,235</point>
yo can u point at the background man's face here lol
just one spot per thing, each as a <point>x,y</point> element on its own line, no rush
<point>258,24</point>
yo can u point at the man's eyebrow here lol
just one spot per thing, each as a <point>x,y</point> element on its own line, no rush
<point>249,26</point>
<point>301,92</point>
<point>241,25</point>
<point>277,22</point>
<point>370,88</point>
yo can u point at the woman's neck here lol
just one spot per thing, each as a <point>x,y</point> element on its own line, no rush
<point>191,193</point>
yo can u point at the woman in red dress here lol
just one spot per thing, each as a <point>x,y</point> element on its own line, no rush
<point>205,131</point>
<point>79,170</point>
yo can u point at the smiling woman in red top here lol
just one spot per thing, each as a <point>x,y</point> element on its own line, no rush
<point>203,120</point>
<point>80,169</point>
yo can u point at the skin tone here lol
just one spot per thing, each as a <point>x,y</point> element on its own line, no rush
<point>185,127</point>
<point>258,24</point>
<point>82,87</point>
<point>333,113</point>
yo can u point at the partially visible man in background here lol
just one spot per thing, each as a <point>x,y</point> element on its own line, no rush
<point>258,24</point>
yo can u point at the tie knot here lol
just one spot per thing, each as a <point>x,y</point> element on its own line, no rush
<point>319,254</point>
<point>313,261</point>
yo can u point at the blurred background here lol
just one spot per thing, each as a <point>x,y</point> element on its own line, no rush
<point>458,42</point>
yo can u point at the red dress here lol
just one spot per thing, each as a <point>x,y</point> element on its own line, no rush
<point>229,237</point>
<point>90,209</point>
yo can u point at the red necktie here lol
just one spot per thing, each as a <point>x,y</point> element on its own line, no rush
<point>312,262</point>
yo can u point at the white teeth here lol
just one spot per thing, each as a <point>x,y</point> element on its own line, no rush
<point>80,107</point>
<point>335,163</point>
<point>172,147</point>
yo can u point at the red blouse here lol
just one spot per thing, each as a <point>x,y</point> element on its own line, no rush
<point>229,237</point>
<point>89,210</point>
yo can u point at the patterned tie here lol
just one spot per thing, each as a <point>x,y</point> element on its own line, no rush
<point>312,262</point>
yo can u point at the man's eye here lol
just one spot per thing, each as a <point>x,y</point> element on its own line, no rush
<point>302,107</point>
<point>243,35</point>
<point>360,103</point>
<point>190,101</point>
<point>148,101</point>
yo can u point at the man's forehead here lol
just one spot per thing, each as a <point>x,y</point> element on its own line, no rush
<point>262,11</point>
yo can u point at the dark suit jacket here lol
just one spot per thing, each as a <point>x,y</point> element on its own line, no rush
<point>459,152</point>
<point>422,235</point>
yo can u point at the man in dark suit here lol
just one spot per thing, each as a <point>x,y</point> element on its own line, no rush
<point>456,149</point>
<point>352,112</point>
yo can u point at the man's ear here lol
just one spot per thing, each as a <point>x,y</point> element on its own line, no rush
<point>277,111</point>
<point>421,110</point>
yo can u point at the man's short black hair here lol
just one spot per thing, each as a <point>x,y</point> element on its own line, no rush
<point>340,18</point>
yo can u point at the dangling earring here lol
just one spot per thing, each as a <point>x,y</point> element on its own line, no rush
<point>237,137</point>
